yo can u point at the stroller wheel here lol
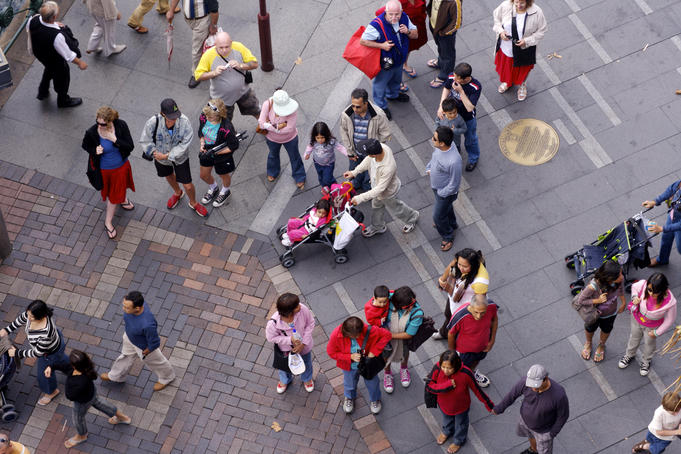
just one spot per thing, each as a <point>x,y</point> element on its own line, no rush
<point>287,261</point>
<point>10,415</point>
<point>576,290</point>
<point>341,258</point>
<point>570,261</point>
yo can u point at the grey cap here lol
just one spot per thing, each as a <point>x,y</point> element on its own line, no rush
<point>536,375</point>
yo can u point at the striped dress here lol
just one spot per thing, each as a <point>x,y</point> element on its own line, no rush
<point>43,341</point>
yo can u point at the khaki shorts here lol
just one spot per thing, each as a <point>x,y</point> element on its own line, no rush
<point>248,105</point>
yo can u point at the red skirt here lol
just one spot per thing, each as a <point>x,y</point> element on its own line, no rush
<point>512,75</point>
<point>116,183</point>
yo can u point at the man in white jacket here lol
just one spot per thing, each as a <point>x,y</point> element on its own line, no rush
<point>384,188</point>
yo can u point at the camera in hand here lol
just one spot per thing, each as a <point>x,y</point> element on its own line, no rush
<point>387,63</point>
<point>148,155</point>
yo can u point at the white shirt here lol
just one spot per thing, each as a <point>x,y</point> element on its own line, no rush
<point>663,420</point>
<point>507,46</point>
<point>59,42</point>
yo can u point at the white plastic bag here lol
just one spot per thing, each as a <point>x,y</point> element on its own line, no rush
<point>345,228</point>
<point>210,41</point>
<point>296,364</point>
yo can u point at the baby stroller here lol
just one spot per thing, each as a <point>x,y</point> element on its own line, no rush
<point>329,234</point>
<point>627,243</point>
<point>7,368</point>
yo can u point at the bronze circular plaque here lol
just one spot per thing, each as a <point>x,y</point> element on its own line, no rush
<point>529,142</point>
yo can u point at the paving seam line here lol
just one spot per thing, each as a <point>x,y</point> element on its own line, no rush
<point>594,371</point>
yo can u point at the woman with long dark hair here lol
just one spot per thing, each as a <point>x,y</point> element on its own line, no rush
<point>47,345</point>
<point>80,389</point>
<point>653,312</point>
<point>603,291</point>
<point>463,278</point>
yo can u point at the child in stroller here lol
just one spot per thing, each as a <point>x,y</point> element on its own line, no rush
<point>298,228</point>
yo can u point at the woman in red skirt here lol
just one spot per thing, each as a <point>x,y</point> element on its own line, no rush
<point>519,25</point>
<point>109,144</point>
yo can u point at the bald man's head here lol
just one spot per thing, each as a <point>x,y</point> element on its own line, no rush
<point>223,43</point>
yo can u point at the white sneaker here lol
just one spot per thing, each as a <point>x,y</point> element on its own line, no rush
<point>118,48</point>
<point>348,405</point>
<point>437,336</point>
<point>285,240</point>
<point>482,380</point>
<point>375,407</point>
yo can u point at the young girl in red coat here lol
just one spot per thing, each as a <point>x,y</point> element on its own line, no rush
<point>450,381</point>
<point>345,345</point>
<point>299,228</point>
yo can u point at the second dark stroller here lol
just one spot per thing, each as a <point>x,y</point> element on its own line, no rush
<point>627,243</point>
<point>8,367</point>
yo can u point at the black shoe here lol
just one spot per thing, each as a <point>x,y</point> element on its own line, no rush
<point>528,451</point>
<point>42,96</point>
<point>221,198</point>
<point>471,166</point>
<point>402,97</point>
<point>388,114</point>
<point>193,83</point>
<point>72,102</point>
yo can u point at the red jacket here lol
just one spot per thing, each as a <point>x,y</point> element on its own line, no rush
<point>339,346</point>
<point>456,400</point>
<point>376,316</point>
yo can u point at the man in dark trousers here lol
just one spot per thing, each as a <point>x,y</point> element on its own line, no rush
<point>544,411</point>
<point>48,43</point>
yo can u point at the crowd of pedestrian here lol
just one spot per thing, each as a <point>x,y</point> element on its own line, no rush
<point>395,323</point>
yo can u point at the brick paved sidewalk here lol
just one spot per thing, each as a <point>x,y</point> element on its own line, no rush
<point>211,291</point>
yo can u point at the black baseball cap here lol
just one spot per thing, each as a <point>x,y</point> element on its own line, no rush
<point>169,109</point>
<point>370,147</point>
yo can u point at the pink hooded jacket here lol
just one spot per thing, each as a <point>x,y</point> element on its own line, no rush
<point>304,323</point>
<point>666,312</point>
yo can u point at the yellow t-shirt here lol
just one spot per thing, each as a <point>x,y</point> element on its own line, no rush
<point>18,448</point>
<point>230,85</point>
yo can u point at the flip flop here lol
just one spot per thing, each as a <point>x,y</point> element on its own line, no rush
<point>116,420</point>
<point>45,400</point>
<point>128,206</point>
<point>411,73</point>
<point>404,88</point>
<point>599,354</point>
<point>441,439</point>
<point>111,233</point>
<point>446,245</point>
<point>436,83</point>
<point>453,448</point>
<point>586,351</point>
<point>71,442</point>
<point>433,63</point>
<point>640,446</point>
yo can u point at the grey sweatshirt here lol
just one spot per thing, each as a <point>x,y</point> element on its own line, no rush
<point>445,171</point>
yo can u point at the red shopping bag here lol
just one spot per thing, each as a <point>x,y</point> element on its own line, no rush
<point>366,59</point>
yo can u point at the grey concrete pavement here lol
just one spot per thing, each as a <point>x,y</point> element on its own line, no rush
<point>610,97</point>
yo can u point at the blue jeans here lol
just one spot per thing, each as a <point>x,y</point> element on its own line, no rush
<point>446,54</point>
<point>274,164</point>
<point>285,378</point>
<point>457,426</point>
<point>48,385</point>
<point>361,181</point>
<point>350,380</point>
<point>667,241</point>
<point>471,141</point>
<point>325,174</point>
<point>657,446</point>
<point>444,217</point>
<point>387,85</point>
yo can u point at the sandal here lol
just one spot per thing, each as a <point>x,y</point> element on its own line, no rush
<point>640,446</point>
<point>503,87</point>
<point>128,205</point>
<point>411,73</point>
<point>73,441</point>
<point>116,420</point>
<point>446,245</point>
<point>46,399</point>
<point>441,439</point>
<point>404,87</point>
<point>301,185</point>
<point>599,354</point>
<point>271,178</point>
<point>111,233</point>
<point>436,83</point>
<point>453,448</point>
<point>586,351</point>
<point>433,63</point>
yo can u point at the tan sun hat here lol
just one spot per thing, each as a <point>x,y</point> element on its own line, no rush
<point>282,104</point>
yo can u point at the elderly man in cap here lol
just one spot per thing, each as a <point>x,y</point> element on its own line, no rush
<point>390,32</point>
<point>385,185</point>
<point>165,139</point>
<point>544,411</point>
<point>472,332</point>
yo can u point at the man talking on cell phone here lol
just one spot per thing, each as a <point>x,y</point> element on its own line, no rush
<point>465,90</point>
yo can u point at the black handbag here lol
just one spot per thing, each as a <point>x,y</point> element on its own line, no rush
<point>280,358</point>
<point>248,75</point>
<point>430,399</point>
<point>424,332</point>
<point>370,367</point>
<point>94,174</point>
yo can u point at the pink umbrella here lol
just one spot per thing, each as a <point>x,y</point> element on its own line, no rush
<point>169,42</point>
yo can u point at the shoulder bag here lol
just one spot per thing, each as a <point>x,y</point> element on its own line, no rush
<point>429,398</point>
<point>366,59</point>
<point>280,358</point>
<point>370,367</point>
<point>94,174</point>
<point>588,312</point>
<point>248,75</point>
